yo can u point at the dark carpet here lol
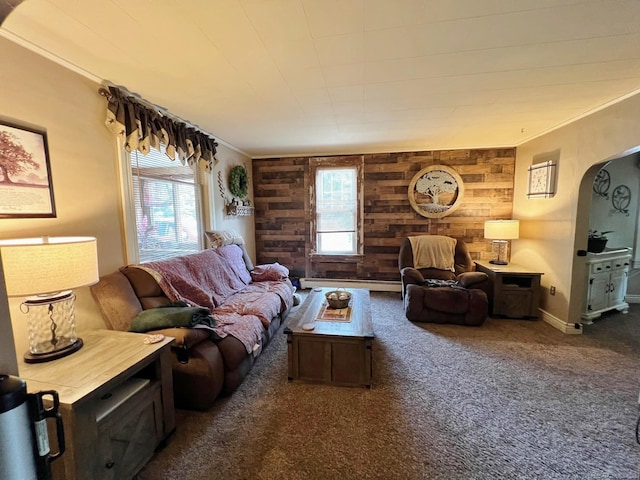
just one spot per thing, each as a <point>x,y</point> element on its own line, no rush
<point>513,399</point>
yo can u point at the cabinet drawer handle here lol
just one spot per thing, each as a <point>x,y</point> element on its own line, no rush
<point>608,266</point>
<point>109,464</point>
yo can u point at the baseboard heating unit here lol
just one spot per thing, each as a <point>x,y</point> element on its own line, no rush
<point>373,285</point>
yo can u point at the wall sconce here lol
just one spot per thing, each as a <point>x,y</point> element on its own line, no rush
<point>45,270</point>
<point>501,231</point>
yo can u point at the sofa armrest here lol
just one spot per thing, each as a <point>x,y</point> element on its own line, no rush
<point>414,302</point>
<point>472,279</point>
<point>411,276</point>
<point>116,301</point>
<point>184,337</point>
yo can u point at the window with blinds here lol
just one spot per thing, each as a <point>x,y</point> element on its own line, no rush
<point>167,206</point>
<point>336,211</point>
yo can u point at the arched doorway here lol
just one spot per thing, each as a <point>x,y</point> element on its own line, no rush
<point>585,221</point>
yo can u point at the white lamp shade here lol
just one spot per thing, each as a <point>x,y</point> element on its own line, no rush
<point>502,229</point>
<point>34,266</point>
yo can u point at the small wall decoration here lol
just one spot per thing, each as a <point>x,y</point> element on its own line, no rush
<point>221,188</point>
<point>240,205</point>
<point>26,189</point>
<point>602,183</point>
<point>542,180</point>
<point>621,199</point>
<point>436,191</point>
<point>238,182</point>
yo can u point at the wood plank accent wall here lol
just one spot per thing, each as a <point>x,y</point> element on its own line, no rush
<point>282,212</point>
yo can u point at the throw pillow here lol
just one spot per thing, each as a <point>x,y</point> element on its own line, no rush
<point>271,271</point>
<point>219,238</point>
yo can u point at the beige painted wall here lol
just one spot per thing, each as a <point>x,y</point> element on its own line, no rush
<point>245,226</point>
<point>8,358</point>
<point>553,229</point>
<point>84,163</point>
<point>41,94</point>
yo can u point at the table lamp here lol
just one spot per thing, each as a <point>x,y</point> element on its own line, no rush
<point>501,231</point>
<point>45,270</point>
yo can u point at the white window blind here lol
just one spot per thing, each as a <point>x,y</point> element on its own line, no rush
<point>167,206</point>
<point>336,208</point>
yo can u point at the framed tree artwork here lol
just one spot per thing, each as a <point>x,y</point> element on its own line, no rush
<point>26,190</point>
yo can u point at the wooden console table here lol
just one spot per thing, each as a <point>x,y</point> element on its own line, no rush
<point>116,402</point>
<point>514,290</point>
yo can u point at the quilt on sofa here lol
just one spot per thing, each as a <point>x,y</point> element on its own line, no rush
<point>217,279</point>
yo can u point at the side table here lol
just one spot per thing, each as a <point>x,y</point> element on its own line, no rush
<point>116,402</point>
<point>514,291</point>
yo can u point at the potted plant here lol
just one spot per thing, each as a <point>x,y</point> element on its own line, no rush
<point>597,241</point>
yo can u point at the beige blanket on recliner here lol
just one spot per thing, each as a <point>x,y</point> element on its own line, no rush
<point>433,251</point>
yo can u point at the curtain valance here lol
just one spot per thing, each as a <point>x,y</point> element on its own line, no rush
<point>141,126</point>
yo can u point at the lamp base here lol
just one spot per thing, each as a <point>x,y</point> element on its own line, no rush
<point>498,262</point>
<point>48,356</point>
<point>501,248</point>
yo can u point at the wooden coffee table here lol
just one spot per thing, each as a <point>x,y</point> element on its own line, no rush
<point>334,352</point>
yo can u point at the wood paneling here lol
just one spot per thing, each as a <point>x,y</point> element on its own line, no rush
<point>282,213</point>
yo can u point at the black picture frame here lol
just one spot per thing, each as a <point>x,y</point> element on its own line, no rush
<point>26,187</point>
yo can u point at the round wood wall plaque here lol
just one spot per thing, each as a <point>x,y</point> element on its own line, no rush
<point>436,191</point>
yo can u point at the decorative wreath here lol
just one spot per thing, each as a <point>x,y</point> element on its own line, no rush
<point>238,181</point>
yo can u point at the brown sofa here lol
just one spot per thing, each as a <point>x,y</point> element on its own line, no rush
<point>443,296</point>
<point>204,366</point>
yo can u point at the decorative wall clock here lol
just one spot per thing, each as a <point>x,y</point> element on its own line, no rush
<point>436,191</point>
<point>542,180</point>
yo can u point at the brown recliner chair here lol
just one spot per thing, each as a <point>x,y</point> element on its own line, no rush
<point>443,296</point>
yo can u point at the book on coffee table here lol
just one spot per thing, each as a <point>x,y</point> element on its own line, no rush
<point>330,314</point>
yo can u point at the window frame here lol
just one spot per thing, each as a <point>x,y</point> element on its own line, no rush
<point>323,163</point>
<point>132,253</point>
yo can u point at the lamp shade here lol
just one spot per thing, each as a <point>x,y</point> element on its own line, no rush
<point>34,266</point>
<point>502,229</point>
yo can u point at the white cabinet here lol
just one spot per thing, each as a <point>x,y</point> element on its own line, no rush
<point>606,283</point>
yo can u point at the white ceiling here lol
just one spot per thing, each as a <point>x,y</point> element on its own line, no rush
<point>283,77</point>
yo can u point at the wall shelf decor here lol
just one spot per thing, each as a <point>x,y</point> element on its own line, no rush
<point>239,210</point>
<point>436,191</point>
<point>542,180</point>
